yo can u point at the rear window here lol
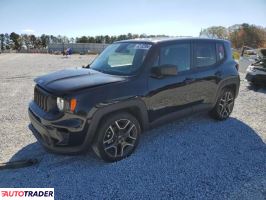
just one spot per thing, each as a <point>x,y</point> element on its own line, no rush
<point>204,54</point>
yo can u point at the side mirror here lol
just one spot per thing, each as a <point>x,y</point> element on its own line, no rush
<point>164,70</point>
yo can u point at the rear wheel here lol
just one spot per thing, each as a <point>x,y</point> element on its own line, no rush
<point>224,105</point>
<point>117,137</point>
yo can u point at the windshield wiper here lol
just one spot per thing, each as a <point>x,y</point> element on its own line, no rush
<point>101,70</point>
<point>88,66</point>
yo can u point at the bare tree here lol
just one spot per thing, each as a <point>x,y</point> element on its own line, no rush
<point>219,32</point>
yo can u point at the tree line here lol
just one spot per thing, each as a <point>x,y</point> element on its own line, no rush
<point>239,35</point>
<point>16,42</point>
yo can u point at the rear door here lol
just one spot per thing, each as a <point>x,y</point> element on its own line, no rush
<point>207,58</point>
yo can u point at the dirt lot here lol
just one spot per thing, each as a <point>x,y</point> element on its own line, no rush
<point>192,158</point>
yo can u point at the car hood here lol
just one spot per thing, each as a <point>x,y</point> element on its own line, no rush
<point>69,80</point>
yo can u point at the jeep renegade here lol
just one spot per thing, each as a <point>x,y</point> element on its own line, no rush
<point>132,86</point>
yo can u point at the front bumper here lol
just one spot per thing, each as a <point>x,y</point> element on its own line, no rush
<point>256,78</point>
<point>67,134</point>
<point>256,74</point>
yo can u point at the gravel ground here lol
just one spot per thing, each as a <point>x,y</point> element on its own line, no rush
<point>192,158</point>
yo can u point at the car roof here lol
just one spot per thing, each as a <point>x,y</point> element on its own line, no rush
<point>155,40</point>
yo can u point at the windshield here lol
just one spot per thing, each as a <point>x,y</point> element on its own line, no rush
<point>121,58</point>
<point>262,53</point>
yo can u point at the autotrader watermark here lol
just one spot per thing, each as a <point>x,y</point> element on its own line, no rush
<point>27,193</point>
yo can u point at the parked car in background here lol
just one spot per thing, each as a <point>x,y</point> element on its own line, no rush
<point>131,86</point>
<point>247,57</point>
<point>256,72</point>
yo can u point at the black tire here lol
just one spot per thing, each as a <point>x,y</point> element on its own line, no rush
<point>117,137</point>
<point>224,105</point>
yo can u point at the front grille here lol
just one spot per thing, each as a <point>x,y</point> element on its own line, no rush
<point>41,99</point>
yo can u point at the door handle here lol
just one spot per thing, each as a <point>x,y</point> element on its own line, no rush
<point>189,80</point>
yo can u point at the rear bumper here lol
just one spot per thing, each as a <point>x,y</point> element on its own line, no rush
<point>67,135</point>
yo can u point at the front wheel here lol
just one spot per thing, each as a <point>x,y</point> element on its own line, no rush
<point>224,105</point>
<point>117,137</point>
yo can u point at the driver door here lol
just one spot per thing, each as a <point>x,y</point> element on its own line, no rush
<point>169,94</point>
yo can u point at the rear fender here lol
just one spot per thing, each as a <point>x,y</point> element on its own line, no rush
<point>230,81</point>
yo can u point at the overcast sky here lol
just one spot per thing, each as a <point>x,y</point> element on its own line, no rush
<point>114,17</point>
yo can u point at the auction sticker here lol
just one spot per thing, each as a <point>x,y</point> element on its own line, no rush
<point>27,193</point>
<point>142,46</point>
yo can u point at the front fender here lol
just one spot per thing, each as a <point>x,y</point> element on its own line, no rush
<point>103,109</point>
<point>100,110</point>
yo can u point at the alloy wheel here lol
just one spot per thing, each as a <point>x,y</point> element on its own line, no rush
<point>119,138</point>
<point>226,104</point>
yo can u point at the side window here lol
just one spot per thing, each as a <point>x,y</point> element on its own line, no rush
<point>204,54</point>
<point>177,54</point>
<point>220,51</point>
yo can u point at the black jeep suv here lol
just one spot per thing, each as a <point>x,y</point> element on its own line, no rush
<point>131,86</point>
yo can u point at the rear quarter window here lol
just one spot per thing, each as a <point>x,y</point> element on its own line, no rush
<point>204,54</point>
<point>220,51</point>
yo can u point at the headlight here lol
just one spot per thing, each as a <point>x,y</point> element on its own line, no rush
<point>251,68</point>
<point>60,103</point>
<point>64,105</point>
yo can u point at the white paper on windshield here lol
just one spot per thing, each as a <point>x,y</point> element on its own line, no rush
<point>142,46</point>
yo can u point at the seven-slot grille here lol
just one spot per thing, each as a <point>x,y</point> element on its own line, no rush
<point>41,99</point>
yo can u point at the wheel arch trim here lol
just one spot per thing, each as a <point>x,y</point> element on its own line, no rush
<point>228,82</point>
<point>96,114</point>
